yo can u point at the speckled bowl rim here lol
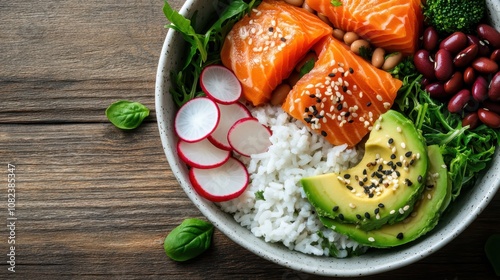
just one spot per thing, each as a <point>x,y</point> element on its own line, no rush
<point>465,210</point>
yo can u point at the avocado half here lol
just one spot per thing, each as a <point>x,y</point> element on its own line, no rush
<point>424,217</point>
<point>384,186</point>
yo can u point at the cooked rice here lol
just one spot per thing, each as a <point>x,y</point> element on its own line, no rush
<point>285,215</point>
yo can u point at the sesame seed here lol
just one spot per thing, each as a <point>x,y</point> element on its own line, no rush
<point>381,205</point>
<point>359,217</point>
<point>352,205</point>
<point>406,208</point>
<point>398,129</point>
<point>392,212</point>
<point>401,211</point>
<point>429,196</point>
<point>403,145</point>
<point>367,215</point>
<point>379,98</point>
<point>341,217</point>
<point>335,208</point>
<point>371,239</point>
<point>400,236</point>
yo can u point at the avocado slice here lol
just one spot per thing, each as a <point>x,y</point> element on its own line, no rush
<point>384,186</point>
<point>422,219</point>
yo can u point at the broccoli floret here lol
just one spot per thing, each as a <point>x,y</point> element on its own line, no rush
<point>449,16</point>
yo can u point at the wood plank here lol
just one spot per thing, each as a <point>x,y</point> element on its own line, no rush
<point>95,201</point>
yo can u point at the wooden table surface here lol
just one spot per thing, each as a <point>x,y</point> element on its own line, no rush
<point>95,202</point>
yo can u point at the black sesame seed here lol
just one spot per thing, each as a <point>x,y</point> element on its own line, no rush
<point>335,208</point>
<point>398,173</point>
<point>347,114</point>
<point>318,116</point>
<point>344,88</point>
<point>361,183</point>
<point>271,29</point>
<point>408,154</point>
<point>312,95</point>
<point>367,215</point>
<point>349,188</point>
<point>400,236</point>
<point>412,162</point>
<point>368,104</point>
<point>399,163</point>
<point>364,172</point>
<point>351,70</point>
<point>339,107</point>
<point>307,109</point>
<point>359,216</point>
<point>350,121</point>
<point>323,133</point>
<point>393,156</point>
<point>408,182</point>
<point>380,168</point>
<point>419,179</point>
<point>318,100</point>
<point>381,205</point>
<point>371,195</point>
<point>331,75</point>
<point>390,141</point>
<point>376,211</point>
<point>430,186</point>
<point>308,120</point>
<point>341,217</point>
<point>365,179</point>
<point>283,39</point>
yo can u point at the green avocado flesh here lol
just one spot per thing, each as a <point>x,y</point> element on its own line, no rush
<point>383,187</point>
<point>422,219</point>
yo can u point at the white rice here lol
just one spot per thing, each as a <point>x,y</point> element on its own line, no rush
<point>285,215</point>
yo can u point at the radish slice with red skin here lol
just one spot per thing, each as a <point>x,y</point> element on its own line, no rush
<point>196,119</point>
<point>248,136</point>
<point>220,84</point>
<point>229,115</point>
<point>202,154</point>
<point>222,183</point>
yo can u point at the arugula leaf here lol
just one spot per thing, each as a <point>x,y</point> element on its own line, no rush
<point>307,67</point>
<point>203,46</point>
<point>466,152</point>
<point>126,114</point>
<point>336,3</point>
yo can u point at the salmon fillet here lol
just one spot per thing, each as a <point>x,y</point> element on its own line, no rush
<point>263,48</point>
<point>342,96</point>
<point>390,24</point>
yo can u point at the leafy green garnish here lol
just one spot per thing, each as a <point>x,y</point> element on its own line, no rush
<point>204,47</point>
<point>127,114</point>
<point>466,152</point>
<point>492,250</point>
<point>188,240</point>
<point>259,195</point>
<point>336,3</point>
<point>307,67</point>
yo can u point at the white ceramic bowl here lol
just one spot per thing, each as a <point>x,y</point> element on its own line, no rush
<point>464,211</point>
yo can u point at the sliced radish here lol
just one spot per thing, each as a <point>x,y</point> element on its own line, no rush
<point>202,154</point>
<point>229,115</point>
<point>196,119</point>
<point>220,84</point>
<point>222,183</point>
<point>247,136</point>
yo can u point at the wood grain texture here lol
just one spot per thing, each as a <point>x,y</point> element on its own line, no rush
<point>95,202</point>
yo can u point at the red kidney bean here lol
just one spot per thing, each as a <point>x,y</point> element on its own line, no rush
<point>443,65</point>
<point>484,65</point>
<point>423,63</point>
<point>430,38</point>
<point>469,75</point>
<point>492,106</point>
<point>495,56</point>
<point>454,43</point>
<point>425,82</point>
<point>471,119</point>
<point>494,88</point>
<point>489,34</point>
<point>483,50</point>
<point>436,90</point>
<point>489,118</point>
<point>454,84</point>
<point>479,89</point>
<point>466,56</point>
<point>457,103</point>
<point>471,106</point>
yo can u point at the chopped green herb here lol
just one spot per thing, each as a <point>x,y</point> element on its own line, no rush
<point>336,3</point>
<point>307,67</point>
<point>259,195</point>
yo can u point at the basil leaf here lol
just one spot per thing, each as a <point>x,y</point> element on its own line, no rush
<point>336,3</point>
<point>126,114</point>
<point>188,240</point>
